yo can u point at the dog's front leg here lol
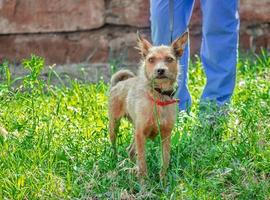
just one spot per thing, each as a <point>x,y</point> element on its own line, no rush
<point>166,144</point>
<point>140,147</point>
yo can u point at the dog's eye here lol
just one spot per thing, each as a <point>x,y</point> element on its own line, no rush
<point>169,59</point>
<point>151,60</point>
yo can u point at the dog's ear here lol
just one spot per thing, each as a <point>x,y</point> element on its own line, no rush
<point>178,45</point>
<point>143,45</point>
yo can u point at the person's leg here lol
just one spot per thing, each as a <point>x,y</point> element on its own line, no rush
<point>160,31</point>
<point>219,49</point>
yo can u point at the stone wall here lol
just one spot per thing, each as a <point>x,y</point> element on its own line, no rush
<point>102,31</point>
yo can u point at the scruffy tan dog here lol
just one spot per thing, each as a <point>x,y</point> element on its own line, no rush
<point>147,99</point>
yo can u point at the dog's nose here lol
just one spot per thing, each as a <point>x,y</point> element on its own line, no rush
<point>160,71</point>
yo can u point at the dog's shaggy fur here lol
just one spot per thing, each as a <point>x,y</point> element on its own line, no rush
<point>135,97</point>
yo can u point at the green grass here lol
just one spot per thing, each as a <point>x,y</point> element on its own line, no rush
<point>58,147</point>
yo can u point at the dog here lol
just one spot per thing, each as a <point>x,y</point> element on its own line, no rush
<point>147,99</point>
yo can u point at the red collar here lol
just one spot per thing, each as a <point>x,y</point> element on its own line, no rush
<point>163,103</point>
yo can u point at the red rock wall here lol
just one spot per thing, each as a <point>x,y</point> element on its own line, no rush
<point>97,31</point>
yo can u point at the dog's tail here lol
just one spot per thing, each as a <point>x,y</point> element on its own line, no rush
<point>121,76</point>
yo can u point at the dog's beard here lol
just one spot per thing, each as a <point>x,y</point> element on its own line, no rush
<point>163,84</point>
<point>163,78</point>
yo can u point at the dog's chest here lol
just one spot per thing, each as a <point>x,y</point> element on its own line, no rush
<point>162,118</point>
<point>164,114</point>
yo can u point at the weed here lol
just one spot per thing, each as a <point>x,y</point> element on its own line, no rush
<point>57,144</point>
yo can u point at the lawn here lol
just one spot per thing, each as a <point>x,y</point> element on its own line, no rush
<point>57,146</point>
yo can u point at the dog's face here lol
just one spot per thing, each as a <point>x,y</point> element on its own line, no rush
<point>161,62</point>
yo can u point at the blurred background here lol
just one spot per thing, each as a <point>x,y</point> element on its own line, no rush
<point>98,35</point>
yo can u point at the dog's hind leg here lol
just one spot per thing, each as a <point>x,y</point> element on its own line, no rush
<point>116,112</point>
<point>113,129</point>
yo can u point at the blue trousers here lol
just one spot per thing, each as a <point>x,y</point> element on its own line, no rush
<point>219,46</point>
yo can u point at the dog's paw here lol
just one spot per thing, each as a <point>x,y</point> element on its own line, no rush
<point>162,174</point>
<point>142,173</point>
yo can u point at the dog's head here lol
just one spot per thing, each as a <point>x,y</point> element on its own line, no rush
<point>161,62</point>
